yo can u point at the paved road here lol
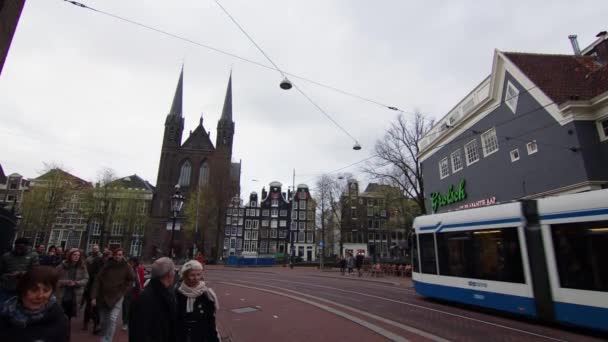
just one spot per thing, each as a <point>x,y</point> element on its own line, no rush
<point>278,304</point>
<point>300,305</point>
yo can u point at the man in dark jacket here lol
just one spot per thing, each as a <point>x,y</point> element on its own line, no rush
<point>153,313</point>
<point>14,264</point>
<point>94,264</point>
<point>359,262</point>
<point>109,288</point>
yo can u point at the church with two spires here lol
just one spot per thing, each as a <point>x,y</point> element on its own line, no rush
<point>193,164</point>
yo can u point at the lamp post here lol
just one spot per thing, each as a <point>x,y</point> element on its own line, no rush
<point>177,202</point>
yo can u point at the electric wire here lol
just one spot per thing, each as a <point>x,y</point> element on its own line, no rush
<point>230,54</point>
<point>279,70</point>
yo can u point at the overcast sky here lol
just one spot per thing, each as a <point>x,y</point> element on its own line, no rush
<point>88,91</point>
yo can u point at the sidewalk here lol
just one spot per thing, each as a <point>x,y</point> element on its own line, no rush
<point>312,271</point>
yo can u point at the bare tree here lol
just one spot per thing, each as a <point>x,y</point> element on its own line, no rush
<point>397,162</point>
<point>328,191</point>
<point>44,200</point>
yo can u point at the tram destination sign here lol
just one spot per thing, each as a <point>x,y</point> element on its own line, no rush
<point>439,200</point>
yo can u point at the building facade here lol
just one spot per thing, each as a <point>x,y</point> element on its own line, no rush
<point>12,188</point>
<point>119,214</point>
<point>272,225</point>
<point>54,210</point>
<point>370,222</point>
<point>193,164</point>
<point>303,224</point>
<point>520,134</point>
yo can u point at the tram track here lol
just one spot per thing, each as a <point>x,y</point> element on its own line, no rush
<point>440,315</point>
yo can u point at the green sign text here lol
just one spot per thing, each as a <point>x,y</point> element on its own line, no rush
<point>438,200</point>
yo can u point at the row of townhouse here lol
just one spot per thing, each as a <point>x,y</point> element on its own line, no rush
<point>374,222</point>
<point>60,209</point>
<point>277,224</point>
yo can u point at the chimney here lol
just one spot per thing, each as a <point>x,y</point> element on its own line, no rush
<point>574,42</point>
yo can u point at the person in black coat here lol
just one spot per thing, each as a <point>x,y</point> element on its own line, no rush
<point>153,312</point>
<point>196,306</point>
<point>34,314</point>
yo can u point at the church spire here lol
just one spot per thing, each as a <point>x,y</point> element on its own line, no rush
<point>227,111</point>
<point>176,107</point>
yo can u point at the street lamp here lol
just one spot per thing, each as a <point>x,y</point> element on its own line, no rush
<point>177,202</point>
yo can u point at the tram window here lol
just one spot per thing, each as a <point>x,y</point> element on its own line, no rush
<point>427,253</point>
<point>491,254</point>
<point>581,253</point>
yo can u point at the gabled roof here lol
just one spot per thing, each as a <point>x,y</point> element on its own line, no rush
<point>75,181</point>
<point>134,182</point>
<point>563,77</point>
<point>199,139</point>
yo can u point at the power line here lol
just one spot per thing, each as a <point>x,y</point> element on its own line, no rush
<point>282,73</point>
<point>230,54</point>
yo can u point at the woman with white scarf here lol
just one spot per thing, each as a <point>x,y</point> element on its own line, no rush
<point>196,306</point>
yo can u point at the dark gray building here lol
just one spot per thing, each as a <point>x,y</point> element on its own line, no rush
<point>537,126</point>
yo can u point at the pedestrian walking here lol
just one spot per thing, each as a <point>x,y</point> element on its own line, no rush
<point>34,314</point>
<point>196,306</point>
<point>153,314</point>
<point>50,258</point>
<point>73,278</point>
<point>94,263</point>
<point>350,263</point>
<point>136,287</point>
<point>60,254</point>
<point>41,251</point>
<point>107,293</point>
<point>14,264</point>
<point>359,262</point>
<point>342,264</point>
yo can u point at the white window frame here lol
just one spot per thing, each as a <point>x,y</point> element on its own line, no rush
<point>274,212</point>
<point>283,213</point>
<point>294,214</point>
<point>274,224</point>
<point>532,147</point>
<point>302,225</point>
<point>444,166</point>
<point>302,215</point>
<point>273,233</point>
<point>487,138</point>
<point>474,150</point>
<point>511,99</point>
<point>457,154</point>
<point>282,223</point>
<point>514,157</point>
<point>255,224</point>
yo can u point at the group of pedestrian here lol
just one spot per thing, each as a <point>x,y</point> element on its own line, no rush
<point>164,312</point>
<point>349,262</point>
<point>39,298</point>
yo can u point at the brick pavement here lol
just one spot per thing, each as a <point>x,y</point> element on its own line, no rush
<point>79,335</point>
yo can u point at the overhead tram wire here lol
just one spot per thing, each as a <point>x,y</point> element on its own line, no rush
<point>285,76</point>
<point>230,54</point>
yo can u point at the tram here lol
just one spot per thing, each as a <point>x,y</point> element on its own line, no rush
<point>545,258</point>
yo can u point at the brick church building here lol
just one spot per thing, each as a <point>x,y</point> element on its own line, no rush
<point>193,164</point>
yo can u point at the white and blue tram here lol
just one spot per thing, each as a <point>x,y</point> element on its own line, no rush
<point>545,258</point>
